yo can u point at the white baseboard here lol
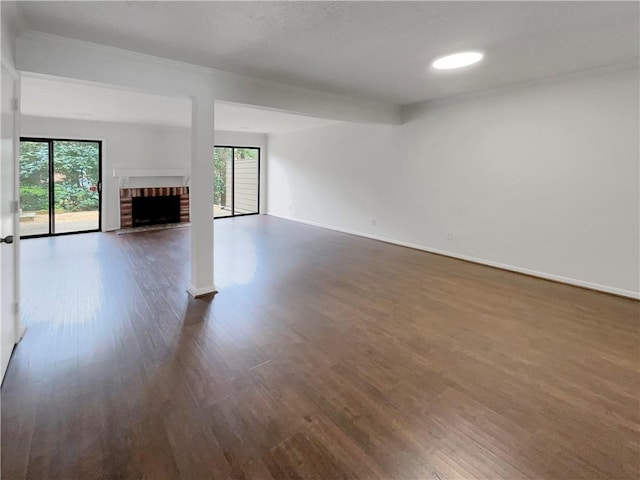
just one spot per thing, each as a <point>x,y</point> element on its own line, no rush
<point>199,292</point>
<point>534,273</point>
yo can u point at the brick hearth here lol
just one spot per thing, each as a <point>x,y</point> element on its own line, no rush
<point>126,194</point>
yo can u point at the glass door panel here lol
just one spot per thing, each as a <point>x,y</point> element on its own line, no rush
<point>60,186</point>
<point>222,182</point>
<point>34,188</point>
<point>76,186</point>
<point>246,175</point>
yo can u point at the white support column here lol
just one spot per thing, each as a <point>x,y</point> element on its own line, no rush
<point>201,196</point>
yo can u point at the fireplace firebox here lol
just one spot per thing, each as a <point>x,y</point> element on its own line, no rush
<point>153,205</point>
<point>155,210</point>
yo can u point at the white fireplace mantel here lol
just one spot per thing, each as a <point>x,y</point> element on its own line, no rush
<point>125,174</point>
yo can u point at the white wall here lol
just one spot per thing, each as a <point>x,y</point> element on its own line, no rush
<point>10,27</point>
<point>542,178</point>
<point>124,146</point>
<point>334,175</point>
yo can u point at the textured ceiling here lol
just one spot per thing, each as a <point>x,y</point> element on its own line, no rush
<point>377,51</point>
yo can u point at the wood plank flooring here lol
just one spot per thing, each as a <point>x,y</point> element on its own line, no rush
<point>323,356</point>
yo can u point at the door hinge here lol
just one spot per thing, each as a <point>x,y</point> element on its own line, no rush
<point>14,104</point>
<point>16,308</point>
<point>15,206</point>
<point>99,187</point>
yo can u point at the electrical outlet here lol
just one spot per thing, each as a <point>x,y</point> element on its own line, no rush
<point>373,222</point>
<point>449,235</point>
<point>289,207</point>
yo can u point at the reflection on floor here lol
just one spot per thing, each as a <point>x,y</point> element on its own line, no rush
<point>323,356</point>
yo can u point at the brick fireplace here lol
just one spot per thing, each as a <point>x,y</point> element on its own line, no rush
<point>127,195</point>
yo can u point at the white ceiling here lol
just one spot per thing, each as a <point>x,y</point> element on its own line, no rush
<point>45,97</point>
<point>372,50</point>
<point>62,99</point>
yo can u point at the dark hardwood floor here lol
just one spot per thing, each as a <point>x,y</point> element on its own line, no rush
<point>323,356</point>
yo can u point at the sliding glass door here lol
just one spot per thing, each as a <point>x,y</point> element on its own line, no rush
<point>223,182</point>
<point>246,176</point>
<point>60,186</point>
<point>236,181</point>
<point>35,194</point>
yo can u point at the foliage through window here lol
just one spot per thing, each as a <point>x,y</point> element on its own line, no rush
<point>65,172</point>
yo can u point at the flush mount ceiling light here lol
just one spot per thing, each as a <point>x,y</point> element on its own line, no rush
<point>457,60</point>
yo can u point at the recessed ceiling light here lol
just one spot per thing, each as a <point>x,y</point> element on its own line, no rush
<point>457,60</point>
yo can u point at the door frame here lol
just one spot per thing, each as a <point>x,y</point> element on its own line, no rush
<point>13,293</point>
<point>50,141</point>
<point>233,179</point>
